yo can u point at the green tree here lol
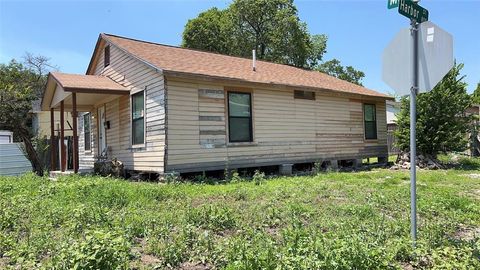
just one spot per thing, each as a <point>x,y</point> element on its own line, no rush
<point>271,27</point>
<point>476,95</point>
<point>209,31</point>
<point>20,85</point>
<point>442,124</point>
<point>334,68</point>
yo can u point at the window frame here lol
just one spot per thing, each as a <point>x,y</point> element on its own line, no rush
<point>89,117</point>
<point>106,56</point>
<point>250,140</point>
<point>374,121</point>
<point>132,143</point>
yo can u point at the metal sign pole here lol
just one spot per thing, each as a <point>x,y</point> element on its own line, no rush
<point>413,143</point>
<point>436,60</point>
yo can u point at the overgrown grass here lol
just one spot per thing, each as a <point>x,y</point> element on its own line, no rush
<point>329,221</point>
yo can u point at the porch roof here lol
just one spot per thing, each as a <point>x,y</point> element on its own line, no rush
<point>90,90</point>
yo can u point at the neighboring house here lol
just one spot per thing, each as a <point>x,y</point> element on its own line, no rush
<point>393,108</point>
<point>12,158</point>
<point>162,109</point>
<point>6,136</point>
<point>42,129</point>
<point>41,121</point>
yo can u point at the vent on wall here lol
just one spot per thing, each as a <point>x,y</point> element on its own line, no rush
<point>106,56</point>
<point>300,94</point>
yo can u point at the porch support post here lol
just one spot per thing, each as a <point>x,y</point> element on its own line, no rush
<point>53,150</point>
<point>63,154</point>
<point>75,137</point>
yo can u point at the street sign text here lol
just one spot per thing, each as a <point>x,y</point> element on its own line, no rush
<point>393,3</point>
<point>413,11</point>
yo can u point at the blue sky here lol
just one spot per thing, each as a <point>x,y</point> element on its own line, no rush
<point>358,31</point>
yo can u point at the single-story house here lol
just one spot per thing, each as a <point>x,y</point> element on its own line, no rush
<point>162,109</point>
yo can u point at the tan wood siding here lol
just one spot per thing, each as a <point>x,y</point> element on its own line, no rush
<point>134,74</point>
<point>284,129</point>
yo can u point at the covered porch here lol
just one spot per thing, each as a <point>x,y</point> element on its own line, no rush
<point>75,93</point>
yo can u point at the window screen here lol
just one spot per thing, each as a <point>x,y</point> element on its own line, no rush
<point>138,130</point>
<point>87,132</point>
<point>304,94</point>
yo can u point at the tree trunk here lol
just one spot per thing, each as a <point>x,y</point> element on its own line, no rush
<point>31,152</point>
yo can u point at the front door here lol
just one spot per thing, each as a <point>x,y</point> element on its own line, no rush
<point>102,140</point>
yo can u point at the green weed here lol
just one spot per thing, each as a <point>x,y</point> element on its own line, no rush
<point>332,220</point>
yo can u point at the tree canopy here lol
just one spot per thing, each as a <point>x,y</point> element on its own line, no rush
<point>476,95</point>
<point>20,85</point>
<point>334,68</point>
<point>442,124</point>
<point>272,28</point>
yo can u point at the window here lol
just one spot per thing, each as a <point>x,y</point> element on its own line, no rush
<point>106,56</point>
<point>239,117</point>
<point>138,114</point>
<point>370,119</point>
<point>86,132</point>
<point>304,94</point>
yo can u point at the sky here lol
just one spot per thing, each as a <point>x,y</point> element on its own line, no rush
<point>358,31</point>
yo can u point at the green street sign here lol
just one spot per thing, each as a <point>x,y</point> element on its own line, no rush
<point>393,3</point>
<point>413,11</point>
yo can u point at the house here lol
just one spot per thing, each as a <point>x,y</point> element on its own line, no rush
<point>41,121</point>
<point>41,127</point>
<point>393,108</point>
<point>163,109</point>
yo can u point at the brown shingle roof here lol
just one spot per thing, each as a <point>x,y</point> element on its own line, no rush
<point>88,82</point>
<point>182,60</point>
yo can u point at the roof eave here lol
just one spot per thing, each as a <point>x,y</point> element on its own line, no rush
<point>156,68</point>
<point>187,75</point>
<point>95,51</point>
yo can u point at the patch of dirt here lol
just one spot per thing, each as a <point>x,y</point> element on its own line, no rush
<point>144,259</point>
<point>407,266</point>
<point>195,266</point>
<point>472,175</point>
<point>273,231</point>
<point>466,233</point>
<point>227,233</point>
<point>3,263</point>
<point>475,194</point>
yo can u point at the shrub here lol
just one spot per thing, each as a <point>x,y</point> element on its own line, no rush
<point>317,167</point>
<point>236,177</point>
<point>258,177</point>
<point>97,250</point>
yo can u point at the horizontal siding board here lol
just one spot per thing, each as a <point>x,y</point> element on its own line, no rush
<point>284,128</point>
<point>136,76</point>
